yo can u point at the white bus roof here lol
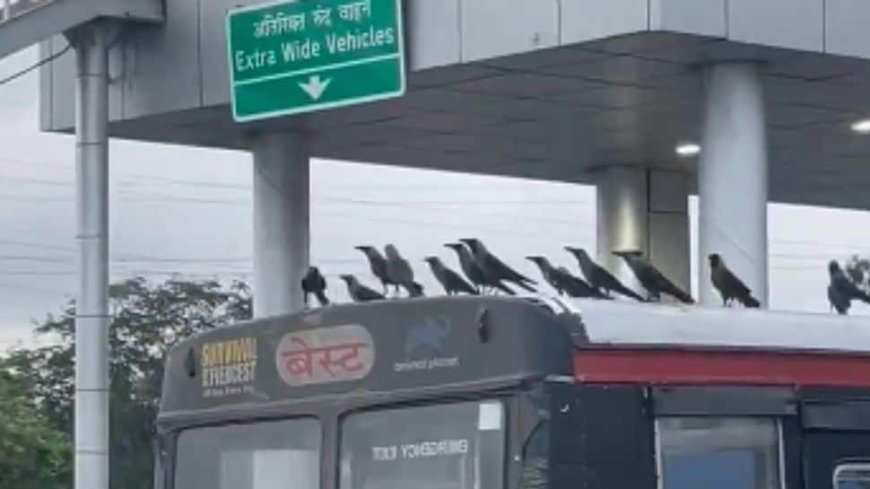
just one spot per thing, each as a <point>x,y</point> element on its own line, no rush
<point>621,323</point>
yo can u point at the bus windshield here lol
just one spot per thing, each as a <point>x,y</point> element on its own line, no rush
<point>265,455</point>
<point>447,446</point>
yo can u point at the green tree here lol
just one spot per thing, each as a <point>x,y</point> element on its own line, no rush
<point>33,454</point>
<point>148,319</point>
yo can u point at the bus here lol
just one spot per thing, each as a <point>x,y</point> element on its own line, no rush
<point>505,393</point>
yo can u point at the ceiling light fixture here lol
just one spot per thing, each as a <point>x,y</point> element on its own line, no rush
<point>862,126</point>
<point>688,149</point>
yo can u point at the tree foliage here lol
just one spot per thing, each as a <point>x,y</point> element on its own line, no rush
<point>148,319</point>
<point>33,454</point>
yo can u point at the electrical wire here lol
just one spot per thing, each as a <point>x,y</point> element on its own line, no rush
<point>35,66</point>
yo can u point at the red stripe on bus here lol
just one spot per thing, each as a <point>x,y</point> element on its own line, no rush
<point>711,367</point>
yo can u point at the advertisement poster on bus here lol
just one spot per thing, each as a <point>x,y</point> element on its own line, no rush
<point>229,367</point>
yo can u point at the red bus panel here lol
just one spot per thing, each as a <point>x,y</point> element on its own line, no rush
<point>661,366</point>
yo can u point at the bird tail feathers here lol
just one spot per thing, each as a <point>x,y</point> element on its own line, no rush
<point>525,286</point>
<point>504,288</point>
<point>630,293</point>
<point>683,297</point>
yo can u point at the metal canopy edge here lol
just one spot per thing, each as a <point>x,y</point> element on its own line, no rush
<point>59,16</point>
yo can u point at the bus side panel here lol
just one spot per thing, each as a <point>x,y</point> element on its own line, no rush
<point>601,437</point>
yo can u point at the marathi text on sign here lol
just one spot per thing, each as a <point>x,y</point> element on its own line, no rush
<point>278,24</point>
<point>324,355</point>
<point>281,23</point>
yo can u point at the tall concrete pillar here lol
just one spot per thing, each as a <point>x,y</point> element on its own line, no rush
<point>646,210</point>
<point>281,221</point>
<point>732,178</point>
<point>92,320</point>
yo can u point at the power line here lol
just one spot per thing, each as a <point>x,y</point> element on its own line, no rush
<point>40,181</point>
<point>15,242</point>
<point>47,259</point>
<point>163,197</point>
<point>35,66</point>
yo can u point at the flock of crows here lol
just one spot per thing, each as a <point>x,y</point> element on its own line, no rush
<point>484,273</point>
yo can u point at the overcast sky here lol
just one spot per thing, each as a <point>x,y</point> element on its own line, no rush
<point>183,210</point>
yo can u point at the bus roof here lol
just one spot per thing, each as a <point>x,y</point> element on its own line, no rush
<point>443,344</point>
<point>672,345</point>
<point>627,324</point>
<point>381,347</point>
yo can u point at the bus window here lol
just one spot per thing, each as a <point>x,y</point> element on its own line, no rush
<point>267,455</point>
<point>852,476</point>
<point>535,458</point>
<point>445,446</point>
<point>718,453</point>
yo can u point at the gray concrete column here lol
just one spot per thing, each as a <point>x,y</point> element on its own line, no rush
<point>732,178</point>
<point>281,221</point>
<point>92,319</point>
<point>646,210</point>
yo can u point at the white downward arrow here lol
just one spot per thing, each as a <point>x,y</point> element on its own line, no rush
<point>315,86</point>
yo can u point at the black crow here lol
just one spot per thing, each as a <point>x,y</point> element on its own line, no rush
<point>359,292</point>
<point>400,271</point>
<point>839,302</point>
<point>495,269</point>
<point>378,265</point>
<point>452,282</point>
<point>730,287</point>
<point>315,283</point>
<point>651,278</point>
<point>841,290</point>
<point>473,272</point>
<point>562,280</point>
<point>576,286</point>
<point>415,289</point>
<point>598,277</point>
<point>548,272</point>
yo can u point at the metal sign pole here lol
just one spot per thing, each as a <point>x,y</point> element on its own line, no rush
<point>92,320</point>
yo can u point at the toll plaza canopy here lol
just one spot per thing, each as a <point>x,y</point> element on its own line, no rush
<point>547,89</point>
<point>24,22</point>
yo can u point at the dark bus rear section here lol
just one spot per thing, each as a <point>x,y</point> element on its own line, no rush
<point>489,393</point>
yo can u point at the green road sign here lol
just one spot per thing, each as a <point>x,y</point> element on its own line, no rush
<point>307,55</point>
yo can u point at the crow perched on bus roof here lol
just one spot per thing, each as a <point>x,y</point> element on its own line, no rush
<point>838,301</point>
<point>473,272</point>
<point>651,278</point>
<point>577,287</point>
<point>314,283</point>
<point>730,287</point>
<point>378,265</point>
<point>841,290</point>
<point>495,269</point>
<point>359,292</point>
<point>599,277</point>
<point>452,282</point>
<point>400,271</point>
<point>563,281</point>
<point>548,272</point>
